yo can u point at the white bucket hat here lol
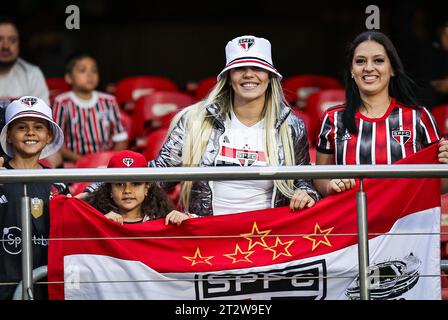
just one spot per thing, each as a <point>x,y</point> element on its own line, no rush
<point>249,51</point>
<point>36,108</point>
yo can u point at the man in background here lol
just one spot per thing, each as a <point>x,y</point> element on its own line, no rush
<point>18,77</point>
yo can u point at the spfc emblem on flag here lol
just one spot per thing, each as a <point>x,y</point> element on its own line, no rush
<point>246,43</point>
<point>405,134</point>
<point>29,101</point>
<point>246,158</point>
<point>128,162</point>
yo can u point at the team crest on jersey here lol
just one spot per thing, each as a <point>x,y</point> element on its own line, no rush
<point>246,43</point>
<point>128,162</point>
<point>246,157</point>
<point>29,101</point>
<point>37,207</point>
<point>405,134</point>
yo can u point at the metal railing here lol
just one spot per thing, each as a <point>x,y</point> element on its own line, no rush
<point>219,173</point>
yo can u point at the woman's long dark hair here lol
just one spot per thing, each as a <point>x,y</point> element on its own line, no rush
<point>401,86</point>
<point>155,205</point>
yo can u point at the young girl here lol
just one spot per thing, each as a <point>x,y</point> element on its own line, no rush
<point>30,134</point>
<point>133,202</point>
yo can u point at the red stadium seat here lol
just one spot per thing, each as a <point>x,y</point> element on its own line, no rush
<point>156,111</point>
<point>56,86</point>
<point>128,90</point>
<point>204,87</point>
<point>92,160</point>
<point>126,120</point>
<point>318,103</point>
<point>154,142</point>
<point>298,88</point>
<point>440,114</point>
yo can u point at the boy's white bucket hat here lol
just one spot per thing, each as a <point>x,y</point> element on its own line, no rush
<point>34,107</point>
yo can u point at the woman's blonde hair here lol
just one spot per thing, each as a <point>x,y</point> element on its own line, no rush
<point>198,127</point>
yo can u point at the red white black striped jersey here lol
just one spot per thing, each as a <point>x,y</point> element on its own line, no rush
<point>89,126</point>
<point>401,132</point>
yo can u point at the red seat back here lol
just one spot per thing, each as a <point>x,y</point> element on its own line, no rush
<point>440,114</point>
<point>128,90</point>
<point>56,86</point>
<point>204,87</point>
<point>154,142</point>
<point>156,111</point>
<point>318,103</point>
<point>92,160</point>
<point>126,120</point>
<point>298,88</point>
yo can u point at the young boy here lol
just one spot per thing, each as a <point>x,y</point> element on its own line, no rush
<point>29,134</point>
<point>90,119</point>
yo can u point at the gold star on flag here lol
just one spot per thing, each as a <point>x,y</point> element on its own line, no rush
<point>280,248</point>
<point>198,258</point>
<point>319,233</point>
<point>239,255</point>
<point>256,240</point>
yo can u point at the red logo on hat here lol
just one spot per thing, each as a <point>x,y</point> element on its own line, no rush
<point>128,162</point>
<point>246,43</point>
<point>29,101</point>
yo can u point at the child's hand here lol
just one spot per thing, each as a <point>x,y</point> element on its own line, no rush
<point>114,217</point>
<point>176,217</point>
<point>2,163</point>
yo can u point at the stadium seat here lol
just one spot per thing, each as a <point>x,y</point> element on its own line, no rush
<point>317,103</point>
<point>156,111</point>
<point>440,114</point>
<point>298,88</point>
<point>92,160</point>
<point>128,90</point>
<point>204,87</point>
<point>56,86</point>
<point>126,120</point>
<point>154,142</point>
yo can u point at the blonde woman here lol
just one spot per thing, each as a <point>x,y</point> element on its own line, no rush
<point>244,121</point>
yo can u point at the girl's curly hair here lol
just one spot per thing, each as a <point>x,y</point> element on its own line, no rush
<point>155,205</point>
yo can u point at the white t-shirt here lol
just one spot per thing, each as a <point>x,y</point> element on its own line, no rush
<point>24,79</point>
<point>241,146</point>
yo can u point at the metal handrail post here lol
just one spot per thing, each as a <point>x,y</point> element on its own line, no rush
<point>27,250</point>
<point>363,244</point>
